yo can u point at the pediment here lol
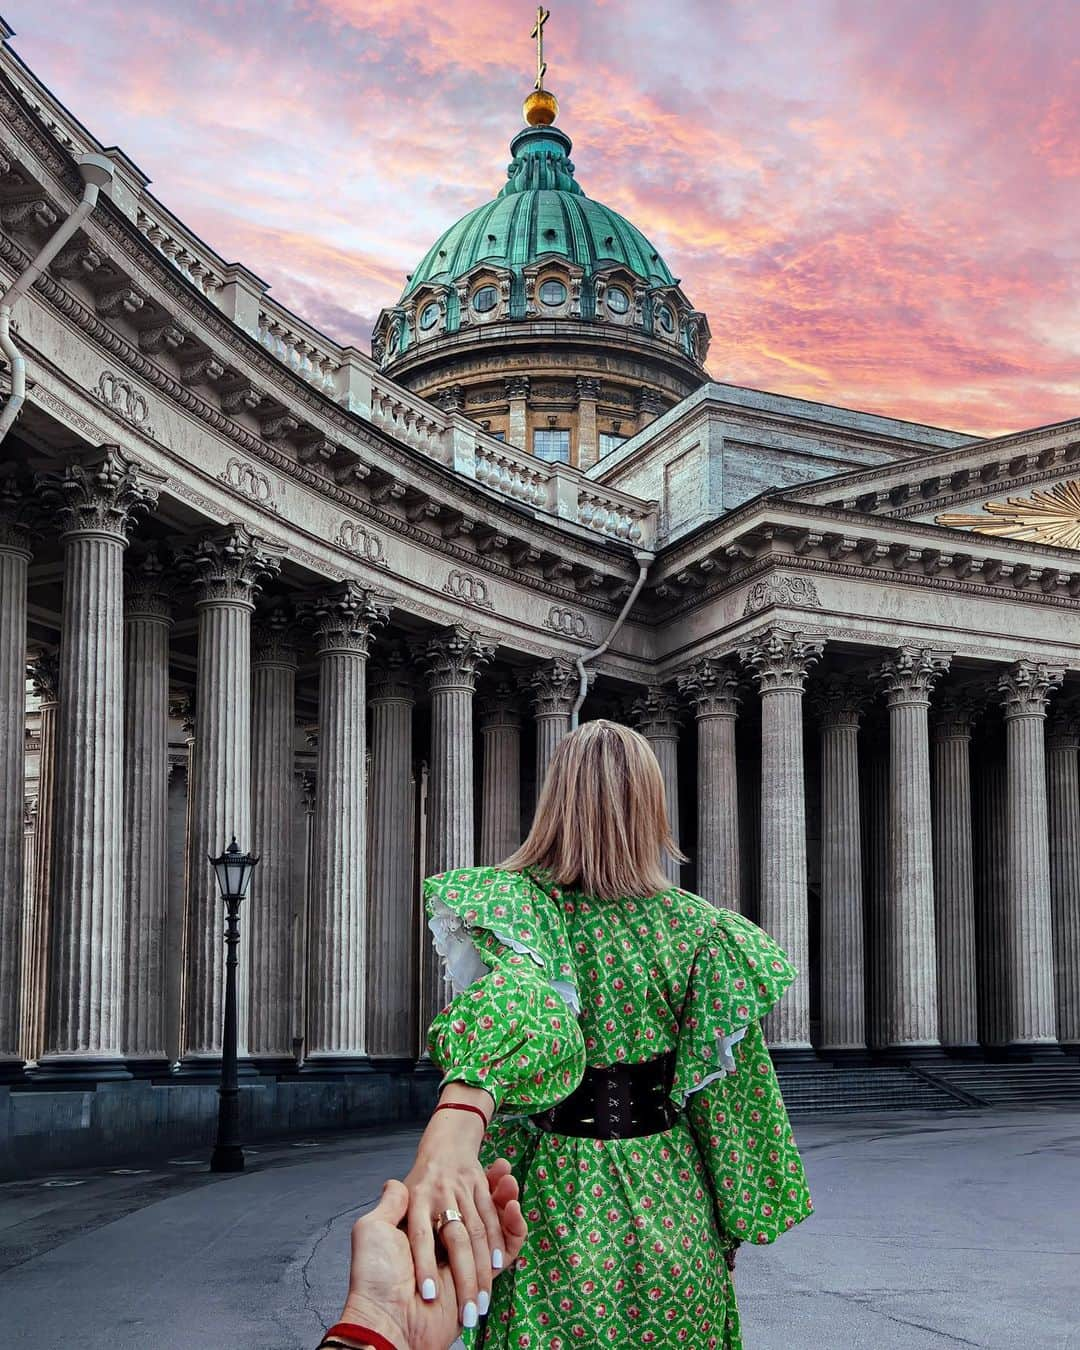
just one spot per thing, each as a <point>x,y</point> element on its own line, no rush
<point>1046,513</point>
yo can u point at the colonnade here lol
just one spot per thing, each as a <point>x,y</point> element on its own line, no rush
<point>949,910</point>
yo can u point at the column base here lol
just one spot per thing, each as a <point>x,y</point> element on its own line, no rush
<point>396,1063</point>
<point>227,1159</point>
<point>932,1053</point>
<point>272,1066</point>
<point>334,1066</point>
<point>12,1071</point>
<point>80,1070</point>
<point>207,1068</point>
<point>848,1057</point>
<point>150,1067</point>
<point>795,1057</point>
<point>1027,1052</point>
<point>972,1052</point>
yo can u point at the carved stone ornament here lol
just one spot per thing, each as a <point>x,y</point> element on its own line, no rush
<point>1063,728</point>
<point>657,713</point>
<point>712,686</point>
<point>119,397</point>
<point>498,704</point>
<point>553,688</point>
<point>569,622</point>
<point>955,710</point>
<point>101,493</point>
<point>273,635</point>
<point>454,658</point>
<point>361,542</point>
<point>16,506</point>
<point>1025,688</point>
<point>1045,517</point>
<point>795,592</point>
<point>469,589</point>
<point>911,673</point>
<point>227,565</point>
<point>344,617</point>
<point>779,660</point>
<point>44,673</point>
<point>182,710</point>
<point>250,481</point>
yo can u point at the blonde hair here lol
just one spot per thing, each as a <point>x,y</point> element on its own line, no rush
<point>601,823</point>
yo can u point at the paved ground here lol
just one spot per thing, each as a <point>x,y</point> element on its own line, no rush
<point>931,1231</point>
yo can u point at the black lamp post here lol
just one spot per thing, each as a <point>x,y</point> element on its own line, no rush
<point>233,870</point>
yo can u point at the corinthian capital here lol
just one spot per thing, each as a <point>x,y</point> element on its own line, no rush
<point>657,712</point>
<point>44,674</point>
<point>910,674</point>
<point>498,703</point>
<point>227,566</point>
<point>955,710</point>
<point>273,636</point>
<point>840,699</point>
<point>553,688</point>
<point>1025,688</point>
<point>454,657</point>
<point>1063,728</point>
<point>780,660</point>
<point>100,493</point>
<point>15,508</point>
<point>344,617</point>
<point>711,684</point>
<point>148,586</point>
<point>390,677</point>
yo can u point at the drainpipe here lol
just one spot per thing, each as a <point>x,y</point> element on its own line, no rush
<point>97,172</point>
<point>644,562</point>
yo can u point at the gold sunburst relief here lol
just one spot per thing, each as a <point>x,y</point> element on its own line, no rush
<point>1045,517</point>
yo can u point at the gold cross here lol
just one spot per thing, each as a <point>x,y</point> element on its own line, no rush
<point>542,16</point>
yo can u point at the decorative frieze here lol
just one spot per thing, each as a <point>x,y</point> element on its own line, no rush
<point>250,481</point>
<point>793,592</point>
<point>119,397</point>
<point>469,589</point>
<point>361,542</point>
<point>568,622</point>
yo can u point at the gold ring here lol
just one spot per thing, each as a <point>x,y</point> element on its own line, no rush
<point>445,1217</point>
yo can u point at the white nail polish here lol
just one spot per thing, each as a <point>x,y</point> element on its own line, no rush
<point>496,1258</point>
<point>483,1302</point>
<point>468,1315</point>
<point>427,1290</point>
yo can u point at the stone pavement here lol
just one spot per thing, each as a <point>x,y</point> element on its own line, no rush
<point>931,1231</point>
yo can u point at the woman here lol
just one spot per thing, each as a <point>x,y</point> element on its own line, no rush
<point>641,1173</point>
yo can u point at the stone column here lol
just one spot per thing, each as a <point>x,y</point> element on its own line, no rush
<point>44,673</point>
<point>1025,689</point>
<point>147,620</point>
<point>226,567</point>
<point>712,686</point>
<point>500,810</point>
<point>14,560</point>
<point>991,914</point>
<point>911,958</point>
<point>553,689</point>
<point>393,931</point>
<point>517,394</point>
<point>954,872</point>
<point>656,715</point>
<point>875,822</point>
<point>453,660</point>
<point>269,912</point>
<point>839,702</point>
<point>779,662</point>
<point>343,619</point>
<point>303,877</point>
<point>588,441</point>
<point>98,498</point>
<point>177,808</point>
<point>1063,780</point>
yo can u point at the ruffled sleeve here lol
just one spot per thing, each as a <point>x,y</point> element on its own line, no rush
<point>512,1027</point>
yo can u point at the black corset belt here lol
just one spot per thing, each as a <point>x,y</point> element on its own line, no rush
<point>620,1101</point>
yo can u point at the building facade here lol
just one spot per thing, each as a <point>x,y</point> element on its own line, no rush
<point>263,585</point>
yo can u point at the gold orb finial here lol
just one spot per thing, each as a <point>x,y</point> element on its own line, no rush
<point>540,108</point>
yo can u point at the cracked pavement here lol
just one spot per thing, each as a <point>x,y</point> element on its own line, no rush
<point>932,1230</point>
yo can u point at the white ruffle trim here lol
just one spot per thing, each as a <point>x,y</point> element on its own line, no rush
<point>465,965</point>
<point>726,1061</point>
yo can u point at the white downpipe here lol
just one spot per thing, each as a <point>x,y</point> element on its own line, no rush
<point>644,562</point>
<point>97,171</point>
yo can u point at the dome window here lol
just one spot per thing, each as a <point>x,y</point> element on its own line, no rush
<point>429,316</point>
<point>667,319</point>
<point>618,300</point>
<point>552,293</point>
<point>485,299</point>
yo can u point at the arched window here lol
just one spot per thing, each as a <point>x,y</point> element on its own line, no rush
<point>429,316</point>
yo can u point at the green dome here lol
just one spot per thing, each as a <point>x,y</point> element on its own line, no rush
<point>541,209</point>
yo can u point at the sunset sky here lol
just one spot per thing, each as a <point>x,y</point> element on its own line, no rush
<point>877,204</point>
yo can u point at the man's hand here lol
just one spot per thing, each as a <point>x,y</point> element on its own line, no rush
<point>382,1281</point>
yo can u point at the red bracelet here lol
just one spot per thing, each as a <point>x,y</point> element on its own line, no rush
<point>463,1106</point>
<point>362,1335</point>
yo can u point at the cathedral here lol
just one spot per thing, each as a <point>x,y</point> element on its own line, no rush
<point>343,606</point>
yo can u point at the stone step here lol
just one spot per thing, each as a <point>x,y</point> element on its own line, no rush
<point>863,1089</point>
<point>1014,1084</point>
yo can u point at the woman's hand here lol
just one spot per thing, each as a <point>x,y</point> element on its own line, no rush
<point>447,1176</point>
<point>382,1290</point>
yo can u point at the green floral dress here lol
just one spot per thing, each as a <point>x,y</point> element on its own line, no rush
<point>627,1237</point>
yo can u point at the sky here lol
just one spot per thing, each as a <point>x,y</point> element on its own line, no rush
<point>876,202</point>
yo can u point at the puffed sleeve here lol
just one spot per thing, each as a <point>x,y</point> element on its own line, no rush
<point>512,1026</point>
<point>726,1083</point>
